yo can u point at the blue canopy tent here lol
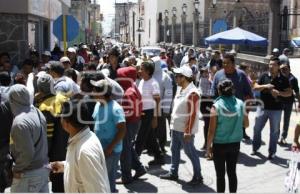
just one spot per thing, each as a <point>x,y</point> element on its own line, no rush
<point>237,36</point>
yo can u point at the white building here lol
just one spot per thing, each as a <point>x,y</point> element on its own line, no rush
<point>154,11</point>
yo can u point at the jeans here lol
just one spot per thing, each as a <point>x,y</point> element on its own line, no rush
<point>33,181</point>
<point>146,135</point>
<point>287,111</point>
<point>112,168</point>
<point>225,157</point>
<point>129,158</point>
<point>177,142</point>
<point>263,115</point>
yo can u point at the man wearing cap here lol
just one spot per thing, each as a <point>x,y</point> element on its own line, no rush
<point>184,125</point>
<point>46,57</point>
<point>67,65</point>
<point>288,102</point>
<point>275,52</point>
<point>76,61</point>
<point>284,59</point>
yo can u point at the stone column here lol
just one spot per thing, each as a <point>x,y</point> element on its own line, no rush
<point>166,29</point>
<point>195,28</point>
<point>173,28</point>
<point>274,25</point>
<point>182,31</point>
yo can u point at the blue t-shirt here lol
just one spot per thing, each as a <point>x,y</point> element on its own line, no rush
<point>240,81</point>
<point>106,118</point>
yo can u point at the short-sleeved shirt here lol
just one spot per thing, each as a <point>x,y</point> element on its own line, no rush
<point>106,119</point>
<point>148,89</point>
<point>280,83</point>
<point>240,81</point>
<point>294,85</point>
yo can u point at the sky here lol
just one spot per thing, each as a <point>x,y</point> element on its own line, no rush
<point>108,10</point>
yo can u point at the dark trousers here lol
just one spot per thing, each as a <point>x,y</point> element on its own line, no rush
<point>287,111</point>
<point>225,156</point>
<point>161,131</point>
<point>146,135</point>
<point>129,158</point>
<point>205,106</point>
<point>57,182</point>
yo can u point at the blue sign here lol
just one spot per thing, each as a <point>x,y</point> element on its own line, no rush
<point>220,26</point>
<point>72,28</point>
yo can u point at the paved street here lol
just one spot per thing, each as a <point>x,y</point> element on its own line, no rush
<point>255,173</point>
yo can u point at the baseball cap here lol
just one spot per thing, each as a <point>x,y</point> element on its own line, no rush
<point>71,50</point>
<point>184,70</point>
<point>64,59</point>
<point>275,50</point>
<point>47,53</point>
<point>84,46</point>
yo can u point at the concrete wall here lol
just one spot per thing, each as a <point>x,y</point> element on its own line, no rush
<point>14,6</point>
<point>14,36</point>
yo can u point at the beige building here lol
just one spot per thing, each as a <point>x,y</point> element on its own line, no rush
<point>28,22</point>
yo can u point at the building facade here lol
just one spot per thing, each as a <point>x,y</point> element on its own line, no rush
<point>122,17</point>
<point>28,24</point>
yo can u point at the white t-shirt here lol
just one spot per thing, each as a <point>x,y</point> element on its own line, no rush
<point>148,89</point>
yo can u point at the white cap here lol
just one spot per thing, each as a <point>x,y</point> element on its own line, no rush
<point>65,59</point>
<point>47,53</point>
<point>84,46</point>
<point>275,50</point>
<point>184,70</point>
<point>71,50</point>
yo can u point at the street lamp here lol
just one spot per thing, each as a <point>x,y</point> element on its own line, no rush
<point>184,8</point>
<point>166,13</point>
<point>195,22</point>
<point>183,20</point>
<point>174,11</point>
<point>236,16</point>
<point>214,3</point>
<point>140,30</point>
<point>166,25</point>
<point>196,4</point>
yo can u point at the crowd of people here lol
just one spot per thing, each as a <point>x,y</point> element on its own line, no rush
<point>74,119</point>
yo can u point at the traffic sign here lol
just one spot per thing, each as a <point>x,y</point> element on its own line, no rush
<point>72,28</point>
<point>220,26</point>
